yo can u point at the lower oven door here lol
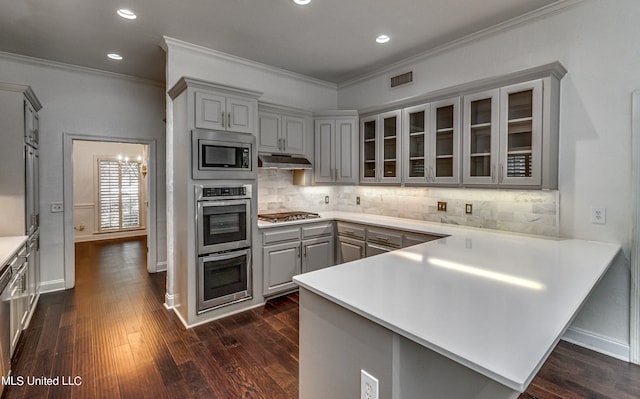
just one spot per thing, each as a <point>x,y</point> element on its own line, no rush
<point>223,279</point>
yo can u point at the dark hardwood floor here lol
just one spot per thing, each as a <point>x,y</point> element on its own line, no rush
<point>113,332</point>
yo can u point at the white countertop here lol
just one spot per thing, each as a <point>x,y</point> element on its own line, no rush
<point>9,246</point>
<point>494,302</point>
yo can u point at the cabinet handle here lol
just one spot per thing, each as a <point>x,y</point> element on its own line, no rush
<point>298,251</point>
<point>382,238</point>
<point>284,143</point>
<point>500,174</point>
<point>229,119</point>
<point>223,115</point>
<point>305,251</point>
<point>493,173</point>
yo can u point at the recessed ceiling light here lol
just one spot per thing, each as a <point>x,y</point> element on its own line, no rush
<point>114,56</point>
<point>302,2</point>
<point>382,39</point>
<point>128,14</point>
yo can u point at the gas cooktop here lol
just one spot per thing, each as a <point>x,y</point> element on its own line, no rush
<point>286,216</point>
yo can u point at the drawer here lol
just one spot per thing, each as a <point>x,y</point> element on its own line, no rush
<point>317,230</point>
<point>417,238</point>
<point>351,230</point>
<point>271,236</point>
<point>386,237</point>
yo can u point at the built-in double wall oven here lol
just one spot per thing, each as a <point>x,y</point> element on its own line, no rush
<point>223,222</point>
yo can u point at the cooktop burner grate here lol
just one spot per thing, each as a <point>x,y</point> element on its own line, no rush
<point>287,216</point>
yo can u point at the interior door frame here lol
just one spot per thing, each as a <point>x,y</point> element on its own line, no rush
<point>634,317</point>
<point>67,179</point>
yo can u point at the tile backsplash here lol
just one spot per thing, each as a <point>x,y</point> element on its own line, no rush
<point>520,211</point>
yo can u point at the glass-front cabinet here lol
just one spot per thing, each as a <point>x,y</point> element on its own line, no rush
<point>431,140</point>
<point>503,136</point>
<point>380,148</point>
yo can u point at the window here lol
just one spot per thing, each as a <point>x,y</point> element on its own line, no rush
<point>119,194</point>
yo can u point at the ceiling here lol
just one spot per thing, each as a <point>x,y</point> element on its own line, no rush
<point>332,40</point>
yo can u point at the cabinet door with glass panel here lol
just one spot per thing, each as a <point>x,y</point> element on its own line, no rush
<point>481,137</point>
<point>431,143</point>
<point>521,134</point>
<point>381,148</point>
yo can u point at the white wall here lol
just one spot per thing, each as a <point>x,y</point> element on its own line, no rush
<point>85,188</point>
<point>90,103</point>
<point>596,40</point>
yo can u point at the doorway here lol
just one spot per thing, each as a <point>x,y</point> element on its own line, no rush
<point>90,215</point>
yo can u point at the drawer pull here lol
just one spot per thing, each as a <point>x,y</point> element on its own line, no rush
<point>382,238</point>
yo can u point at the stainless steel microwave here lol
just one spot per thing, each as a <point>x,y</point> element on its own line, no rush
<point>222,155</point>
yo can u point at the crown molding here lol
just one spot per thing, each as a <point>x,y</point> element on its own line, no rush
<point>531,16</point>
<point>77,68</point>
<point>26,90</point>
<point>168,42</point>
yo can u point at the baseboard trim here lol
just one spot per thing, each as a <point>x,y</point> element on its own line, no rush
<point>598,343</point>
<point>52,286</point>
<point>169,301</point>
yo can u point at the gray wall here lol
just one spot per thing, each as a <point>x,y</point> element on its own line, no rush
<point>84,102</point>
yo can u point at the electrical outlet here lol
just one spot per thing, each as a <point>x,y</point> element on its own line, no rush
<point>57,207</point>
<point>442,206</point>
<point>468,209</point>
<point>326,199</point>
<point>598,215</point>
<point>368,386</point>
<point>357,200</point>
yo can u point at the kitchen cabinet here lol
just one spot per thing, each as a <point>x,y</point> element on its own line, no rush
<point>380,148</point>
<point>291,250</point>
<point>431,143</point>
<point>507,140</point>
<point>220,112</point>
<point>356,241</point>
<point>18,295</point>
<point>336,147</point>
<point>33,271</point>
<point>282,130</point>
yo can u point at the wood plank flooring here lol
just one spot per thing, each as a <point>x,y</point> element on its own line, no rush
<point>113,332</point>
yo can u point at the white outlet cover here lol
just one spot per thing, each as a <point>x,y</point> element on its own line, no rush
<point>598,215</point>
<point>368,386</point>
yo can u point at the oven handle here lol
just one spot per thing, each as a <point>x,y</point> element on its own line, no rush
<point>224,202</point>
<point>224,256</point>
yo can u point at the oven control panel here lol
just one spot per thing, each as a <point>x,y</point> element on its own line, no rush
<point>223,192</point>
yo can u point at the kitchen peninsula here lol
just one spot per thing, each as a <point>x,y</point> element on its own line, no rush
<point>473,315</point>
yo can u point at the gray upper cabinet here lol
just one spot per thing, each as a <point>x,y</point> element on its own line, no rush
<point>431,143</point>
<point>336,148</point>
<point>219,112</point>
<point>380,149</point>
<point>282,130</point>
<point>507,140</point>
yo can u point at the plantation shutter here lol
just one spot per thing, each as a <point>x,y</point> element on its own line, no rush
<point>119,194</point>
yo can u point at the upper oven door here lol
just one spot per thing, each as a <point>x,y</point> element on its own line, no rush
<point>222,155</point>
<point>223,225</point>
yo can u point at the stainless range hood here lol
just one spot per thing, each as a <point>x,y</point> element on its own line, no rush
<point>283,162</point>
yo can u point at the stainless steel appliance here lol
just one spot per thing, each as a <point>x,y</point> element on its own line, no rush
<point>223,218</point>
<point>222,155</point>
<point>287,216</point>
<point>223,222</point>
<point>5,324</point>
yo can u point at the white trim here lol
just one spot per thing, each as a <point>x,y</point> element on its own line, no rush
<point>111,236</point>
<point>170,303</point>
<point>598,343</point>
<point>79,68</point>
<point>52,286</point>
<point>67,183</point>
<point>634,297</point>
<point>542,12</point>
<point>168,42</point>
<point>187,326</point>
